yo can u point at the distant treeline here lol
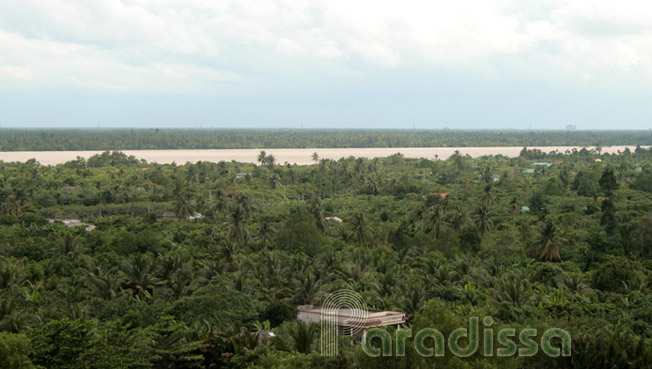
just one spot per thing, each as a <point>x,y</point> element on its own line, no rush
<point>126,139</point>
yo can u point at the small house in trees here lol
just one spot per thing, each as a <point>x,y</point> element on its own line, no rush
<point>171,215</point>
<point>72,223</point>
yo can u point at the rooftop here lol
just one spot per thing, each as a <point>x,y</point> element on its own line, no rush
<point>313,313</point>
<point>71,223</point>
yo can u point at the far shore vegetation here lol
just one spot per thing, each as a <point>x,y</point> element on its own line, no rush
<point>14,139</point>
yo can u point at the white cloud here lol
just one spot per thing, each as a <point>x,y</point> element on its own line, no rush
<point>190,45</point>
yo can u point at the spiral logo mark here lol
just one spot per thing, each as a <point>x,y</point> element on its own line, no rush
<point>342,311</point>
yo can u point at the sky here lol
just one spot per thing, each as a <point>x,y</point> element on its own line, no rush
<point>489,64</point>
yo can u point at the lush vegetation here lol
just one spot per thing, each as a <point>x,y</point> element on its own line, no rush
<point>145,291</point>
<point>124,139</point>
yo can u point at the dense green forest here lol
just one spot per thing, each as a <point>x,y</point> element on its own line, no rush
<point>567,245</point>
<point>125,139</point>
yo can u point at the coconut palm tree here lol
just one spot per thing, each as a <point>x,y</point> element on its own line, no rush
<point>445,274</point>
<point>183,208</point>
<point>180,281</point>
<point>275,181</point>
<point>265,232</point>
<point>513,289</point>
<point>373,184</point>
<point>10,276</point>
<point>219,203</point>
<point>303,336</point>
<point>317,210</point>
<point>192,175</point>
<point>270,161</point>
<point>14,205</point>
<point>548,245</point>
<point>437,220</point>
<point>103,281</point>
<point>413,295</point>
<point>139,273</point>
<point>244,201</point>
<point>360,230</point>
<point>236,218</point>
<point>458,219</point>
<point>308,287</point>
<point>513,208</point>
<point>69,247</point>
<point>13,319</point>
<point>575,283</point>
<point>262,156</point>
<point>483,220</point>
<point>386,284</point>
<point>489,197</point>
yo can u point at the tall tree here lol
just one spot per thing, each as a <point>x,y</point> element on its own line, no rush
<point>236,218</point>
<point>609,184</point>
<point>183,208</point>
<point>265,232</point>
<point>317,211</point>
<point>608,181</point>
<point>483,218</point>
<point>262,157</point>
<point>360,230</point>
<point>549,243</point>
<point>437,220</point>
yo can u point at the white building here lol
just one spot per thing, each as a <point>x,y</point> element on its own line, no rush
<point>344,318</point>
<point>173,216</point>
<point>71,223</point>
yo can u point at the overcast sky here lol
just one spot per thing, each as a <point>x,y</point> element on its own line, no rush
<point>326,63</point>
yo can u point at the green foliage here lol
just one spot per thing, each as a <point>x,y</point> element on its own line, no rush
<point>171,348</point>
<point>300,234</point>
<point>615,274</point>
<point>639,238</point>
<point>599,350</point>
<point>586,183</point>
<point>119,346</point>
<point>62,344</point>
<point>217,303</point>
<point>145,291</point>
<point>643,182</point>
<point>14,352</point>
<point>549,243</point>
<point>608,182</point>
<point>129,139</point>
<point>470,239</point>
<point>303,336</point>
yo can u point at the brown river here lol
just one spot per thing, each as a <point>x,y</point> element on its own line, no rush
<point>292,156</point>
